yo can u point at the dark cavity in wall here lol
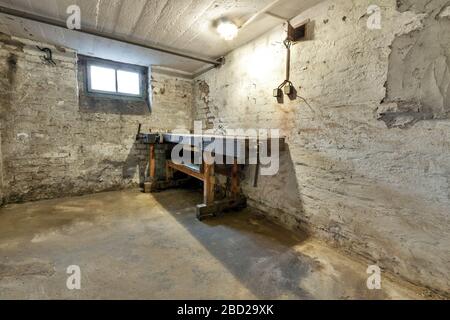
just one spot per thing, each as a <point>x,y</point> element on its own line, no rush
<point>12,68</point>
<point>6,95</point>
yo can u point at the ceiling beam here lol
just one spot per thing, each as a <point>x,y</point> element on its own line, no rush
<point>259,13</point>
<point>276,16</point>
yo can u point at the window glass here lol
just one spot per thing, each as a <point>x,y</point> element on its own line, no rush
<point>103,79</point>
<point>128,82</point>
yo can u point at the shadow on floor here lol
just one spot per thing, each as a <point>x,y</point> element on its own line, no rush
<point>257,252</point>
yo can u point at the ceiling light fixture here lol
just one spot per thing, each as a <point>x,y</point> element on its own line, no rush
<point>227,30</point>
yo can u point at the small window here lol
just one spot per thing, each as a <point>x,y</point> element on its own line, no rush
<point>115,79</point>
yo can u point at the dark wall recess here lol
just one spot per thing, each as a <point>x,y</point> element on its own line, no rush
<point>301,32</point>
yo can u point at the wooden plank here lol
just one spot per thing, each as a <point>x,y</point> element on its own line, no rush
<point>218,207</point>
<point>186,170</point>
<point>232,146</point>
<point>169,171</point>
<point>209,179</point>
<point>235,189</point>
<point>169,184</point>
<point>152,162</point>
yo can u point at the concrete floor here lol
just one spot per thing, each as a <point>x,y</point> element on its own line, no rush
<point>131,245</point>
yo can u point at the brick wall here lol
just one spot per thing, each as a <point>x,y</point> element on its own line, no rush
<point>1,172</point>
<point>50,148</point>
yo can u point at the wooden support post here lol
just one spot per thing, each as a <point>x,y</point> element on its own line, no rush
<point>235,189</point>
<point>152,162</point>
<point>213,208</point>
<point>209,180</point>
<point>169,172</point>
<point>150,185</point>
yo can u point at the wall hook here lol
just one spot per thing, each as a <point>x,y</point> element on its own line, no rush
<point>48,55</point>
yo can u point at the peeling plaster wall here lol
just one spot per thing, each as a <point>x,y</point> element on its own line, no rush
<point>346,177</point>
<point>1,166</point>
<point>1,154</point>
<point>172,102</point>
<point>51,148</point>
<point>418,84</point>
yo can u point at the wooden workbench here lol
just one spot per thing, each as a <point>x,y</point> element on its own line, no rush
<point>236,149</point>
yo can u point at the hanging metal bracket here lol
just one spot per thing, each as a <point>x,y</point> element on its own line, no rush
<point>48,55</point>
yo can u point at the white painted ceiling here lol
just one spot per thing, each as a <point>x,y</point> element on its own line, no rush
<point>186,25</point>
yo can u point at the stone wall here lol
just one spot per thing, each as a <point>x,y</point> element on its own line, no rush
<point>370,187</point>
<point>366,166</point>
<point>172,101</point>
<point>1,172</point>
<point>51,148</point>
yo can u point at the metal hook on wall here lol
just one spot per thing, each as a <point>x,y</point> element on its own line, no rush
<point>48,55</point>
<point>288,86</point>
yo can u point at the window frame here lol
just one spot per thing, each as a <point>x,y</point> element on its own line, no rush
<point>117,66</point>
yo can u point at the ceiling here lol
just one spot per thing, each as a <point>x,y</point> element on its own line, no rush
<point>186,25</point>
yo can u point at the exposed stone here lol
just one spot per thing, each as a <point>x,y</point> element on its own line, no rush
<point>51,148</point>
<point>445,13</point>
<point>347,177</point>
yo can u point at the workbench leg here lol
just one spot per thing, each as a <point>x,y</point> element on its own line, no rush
<point>235,183</point>
<point>152,162</point>
<point>150,186</point>
<point>209,182</point>
<point>169,172</point>
<point>213,208</point>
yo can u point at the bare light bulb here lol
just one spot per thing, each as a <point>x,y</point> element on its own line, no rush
<point>227,30</point>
